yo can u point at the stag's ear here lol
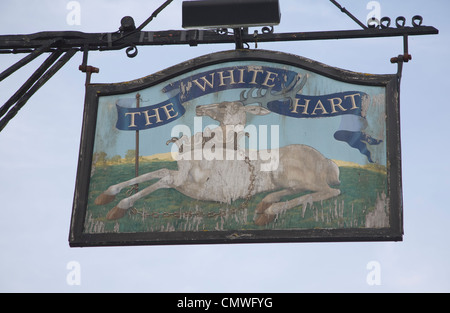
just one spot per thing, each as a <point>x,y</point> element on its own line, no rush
<point>256,110</point>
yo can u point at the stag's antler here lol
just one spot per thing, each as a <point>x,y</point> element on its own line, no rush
<point>288,92</point>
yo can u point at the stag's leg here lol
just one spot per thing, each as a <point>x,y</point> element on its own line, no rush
<point>264,218</point>
<point>270,210</point>
<point>110,194</point>
<point>119,211</point>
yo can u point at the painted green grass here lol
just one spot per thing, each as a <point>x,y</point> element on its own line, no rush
<point>169,210</point>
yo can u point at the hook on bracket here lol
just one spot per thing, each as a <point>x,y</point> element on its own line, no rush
<point>406,57</point>
<point>400,23</point>
<point>131,51</point>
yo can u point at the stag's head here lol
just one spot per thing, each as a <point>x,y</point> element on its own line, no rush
<point>230,112</point>
<point>235,112</point>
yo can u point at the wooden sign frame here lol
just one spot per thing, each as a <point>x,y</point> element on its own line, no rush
<point>321,124</point>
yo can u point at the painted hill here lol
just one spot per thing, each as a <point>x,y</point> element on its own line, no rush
<point>167,157</point>
<point>158,157</point>
<point>371,167</point>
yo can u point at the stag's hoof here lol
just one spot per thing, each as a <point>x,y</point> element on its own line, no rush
<point>262,207</point>
<point>104,199</point>
<point>115,214</point>
<point>263,218</point>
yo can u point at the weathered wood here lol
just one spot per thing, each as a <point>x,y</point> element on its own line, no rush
<point>380,223</point>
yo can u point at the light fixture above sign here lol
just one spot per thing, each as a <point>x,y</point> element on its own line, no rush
<point>230,13</point>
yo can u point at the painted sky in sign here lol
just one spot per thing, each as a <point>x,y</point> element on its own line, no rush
<point>315,132</point>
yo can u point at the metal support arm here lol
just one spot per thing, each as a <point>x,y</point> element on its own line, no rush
<point>117,41</point>
<point>67,43</point>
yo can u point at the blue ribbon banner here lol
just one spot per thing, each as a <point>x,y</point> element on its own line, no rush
<point>252,77</point>
<point>130,118</point>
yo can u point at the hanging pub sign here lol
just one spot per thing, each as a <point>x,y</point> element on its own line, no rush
<point>240,147</point>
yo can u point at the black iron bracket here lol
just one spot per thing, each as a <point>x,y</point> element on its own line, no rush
<point>62,45</point>
<point>344,10</point>
<point>45,41</point>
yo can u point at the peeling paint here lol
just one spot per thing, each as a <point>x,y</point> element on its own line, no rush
<point>379,217</point>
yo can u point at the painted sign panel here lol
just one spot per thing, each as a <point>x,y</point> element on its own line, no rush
<point>240,146</point>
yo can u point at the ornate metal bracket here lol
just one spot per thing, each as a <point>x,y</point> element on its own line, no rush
<point>62,45</point>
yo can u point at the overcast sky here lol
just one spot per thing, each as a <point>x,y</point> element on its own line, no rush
<point>39,153</point>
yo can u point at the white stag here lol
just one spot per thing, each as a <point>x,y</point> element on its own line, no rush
<point>300,168</point>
